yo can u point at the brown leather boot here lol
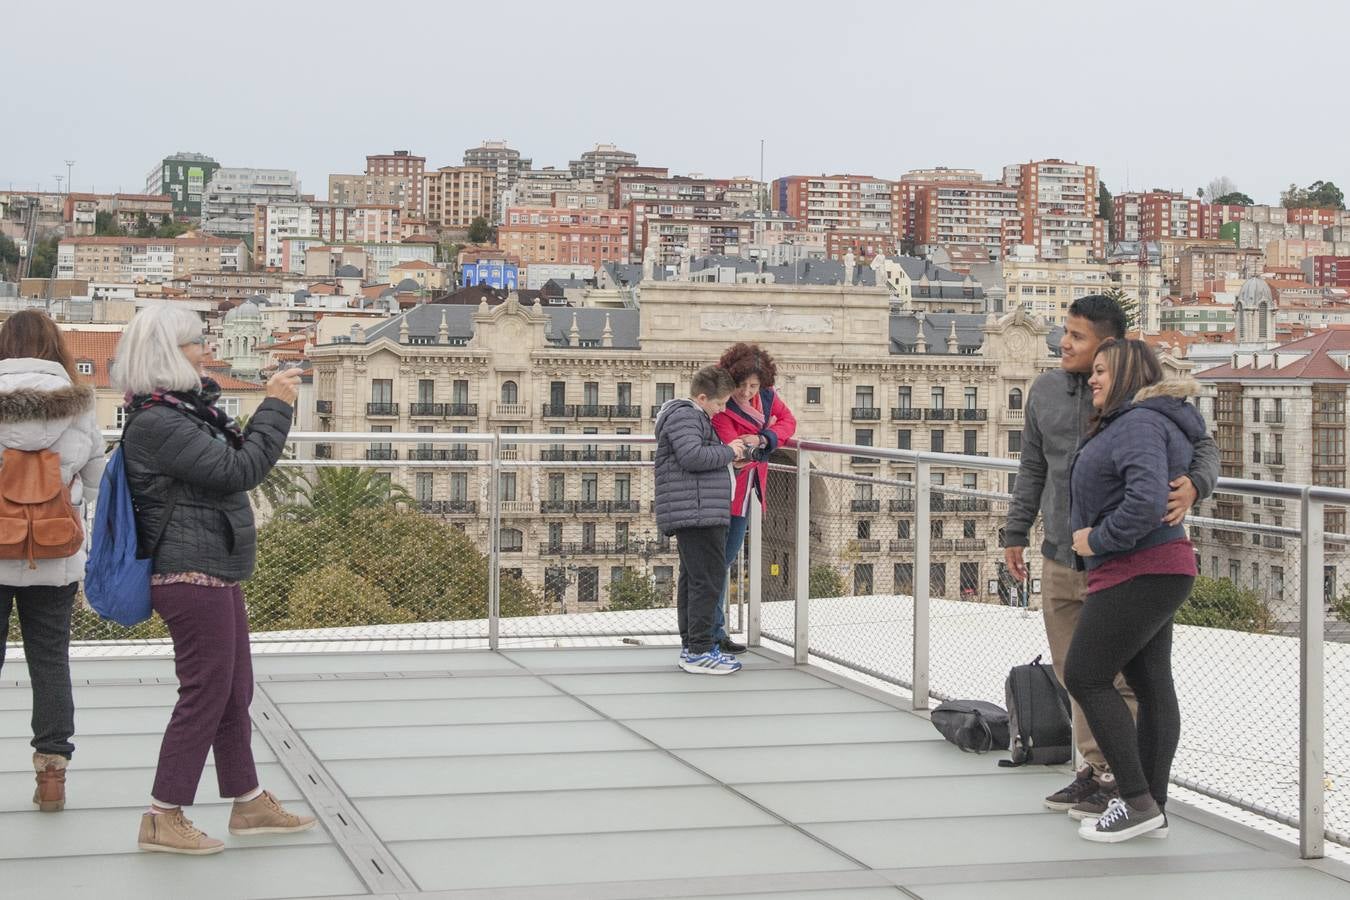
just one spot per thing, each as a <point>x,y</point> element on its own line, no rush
<point>50,794</point>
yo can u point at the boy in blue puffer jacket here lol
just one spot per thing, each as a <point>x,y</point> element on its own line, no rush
<point>693,503</point>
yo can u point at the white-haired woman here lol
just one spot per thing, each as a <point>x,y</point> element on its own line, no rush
<point>190,467</point>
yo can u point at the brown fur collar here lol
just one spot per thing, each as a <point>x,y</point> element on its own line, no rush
<point>30,405</point>
<point>1180,388</point>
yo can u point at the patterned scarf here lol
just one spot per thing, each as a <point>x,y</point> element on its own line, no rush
<point>749,412</point>
<point>200,403</point>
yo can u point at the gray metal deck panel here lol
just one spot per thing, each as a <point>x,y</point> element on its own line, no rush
<point>592,773</point>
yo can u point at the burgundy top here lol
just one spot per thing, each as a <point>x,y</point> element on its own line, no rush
<point>1173,558</point>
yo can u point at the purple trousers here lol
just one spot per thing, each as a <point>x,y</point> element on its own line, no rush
<point>209,627</point>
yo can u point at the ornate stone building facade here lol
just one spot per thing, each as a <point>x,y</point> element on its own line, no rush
<point>573,515</point>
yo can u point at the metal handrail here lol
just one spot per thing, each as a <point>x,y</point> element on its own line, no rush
<point>1312,500</point>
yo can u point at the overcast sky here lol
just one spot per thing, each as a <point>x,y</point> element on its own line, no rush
<point>1166,94</point>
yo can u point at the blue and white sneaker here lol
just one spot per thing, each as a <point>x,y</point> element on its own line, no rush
<point>714,662</point>
<point>684,657</point>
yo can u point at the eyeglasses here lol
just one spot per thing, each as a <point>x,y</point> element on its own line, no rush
<point>199,340</point>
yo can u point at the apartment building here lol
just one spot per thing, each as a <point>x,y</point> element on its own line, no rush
<point>1277,415</point>
<point>1156,214</point>
<point>204,253</point>
<point>977,214</point>
<point>1279,215</point>
<point>401,191</point>
<point>1057,201</point>
<point>646,209</point>
<point>332,222</point>
<point>537,187</point>
<point>1203,313</point>
<point>553,235</point>
<point>1327,271</point>
<point>456,195</point>
<point>375,260</point>
<point>497,157</point>
<point>862,243</point>
<point>1047,288</point>
<point>604,161</point>
<point>219,286</point>
<point>846,202</point>
<point>1200,267</point>
<point>700,237</point>
<point>184,177</point>
<point>850,370</point>
<point>400,165</point>
<point>128,260</point>
<point>907,191</point>
<point>233,193</point>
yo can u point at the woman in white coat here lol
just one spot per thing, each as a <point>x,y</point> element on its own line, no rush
<point>44,407</point>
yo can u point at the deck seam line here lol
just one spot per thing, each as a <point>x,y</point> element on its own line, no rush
<point>366,853</point>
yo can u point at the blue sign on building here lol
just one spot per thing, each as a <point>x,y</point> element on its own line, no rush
<point>495,274</point>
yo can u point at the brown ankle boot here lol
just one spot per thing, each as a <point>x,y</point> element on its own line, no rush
<point>50,794</point>
<point>172,832</point>
<point>264,815</point>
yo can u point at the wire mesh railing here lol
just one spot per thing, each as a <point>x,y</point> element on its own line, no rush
<point>525,538</point>
<point>1250,644</point>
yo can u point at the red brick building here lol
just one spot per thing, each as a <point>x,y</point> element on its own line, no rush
<point>400,164</point>
<point>1330,271</point>
<point>978,214</point>
<point>839,202</point>
<point>578,237</point>
<point>1154,215</point>
<point>1058,204</point>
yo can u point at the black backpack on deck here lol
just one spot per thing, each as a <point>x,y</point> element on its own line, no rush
<point>1038,707</point>
<point>973,725</point>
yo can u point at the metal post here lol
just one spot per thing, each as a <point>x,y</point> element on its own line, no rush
<point>755,535</point>
<point>494,543</point>
<point>922,562</point>
<point>1312,687</point>
<point>802,561</point>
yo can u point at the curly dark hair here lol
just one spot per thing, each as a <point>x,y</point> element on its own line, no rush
<point>743,360</point>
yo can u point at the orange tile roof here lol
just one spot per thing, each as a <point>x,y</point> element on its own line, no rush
<point>97,347</point>
<point>100,348</point>
<point>415,264</point>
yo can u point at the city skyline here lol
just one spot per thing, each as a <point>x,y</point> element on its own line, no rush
<point>981,85</point>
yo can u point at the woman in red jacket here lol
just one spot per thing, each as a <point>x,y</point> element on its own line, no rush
<point>754,412</point>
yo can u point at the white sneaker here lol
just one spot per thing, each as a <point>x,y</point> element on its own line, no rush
<point>714,662</point>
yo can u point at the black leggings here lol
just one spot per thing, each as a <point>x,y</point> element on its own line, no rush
<point>1128,629</point>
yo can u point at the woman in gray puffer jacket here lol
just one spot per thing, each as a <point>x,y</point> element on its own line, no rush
<point>42,407</point>
<point>189,467</point>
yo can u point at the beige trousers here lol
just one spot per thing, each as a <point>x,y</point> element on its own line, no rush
<point>1063,592</point>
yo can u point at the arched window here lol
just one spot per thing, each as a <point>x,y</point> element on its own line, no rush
<point>510,393</point>
<point>1015,398</point>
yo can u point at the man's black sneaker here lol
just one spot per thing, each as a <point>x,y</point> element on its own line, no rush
<point>1066,798</point>
<point>1095,806</point>
<point>727,645</point>
<point>1122,822</point>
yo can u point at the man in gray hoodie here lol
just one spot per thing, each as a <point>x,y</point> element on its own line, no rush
<point>1058,411</point>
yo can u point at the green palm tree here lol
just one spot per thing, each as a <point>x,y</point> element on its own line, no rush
<point>338,492</point>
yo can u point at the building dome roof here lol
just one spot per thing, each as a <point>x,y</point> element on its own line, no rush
<point>245,310</point>
<point>1253,292</point>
